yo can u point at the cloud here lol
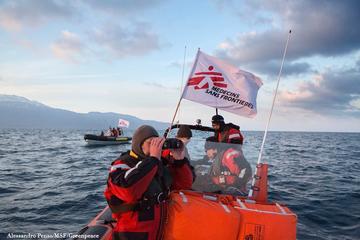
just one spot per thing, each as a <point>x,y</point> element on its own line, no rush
<point>161,86</point>
<point>14,15</point>
<point>124,7</point>
<point>179,64</point>
<point>272,68</point>
<point>134,40</point>
<point>320,28</point>
<point>109,42</point>
<point>68,47</point>
<point>130,38</point>
<point>175,64</point>
<point>156,85</point>
<point>328,93</point>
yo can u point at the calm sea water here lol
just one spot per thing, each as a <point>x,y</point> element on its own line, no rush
<point>52,182</point>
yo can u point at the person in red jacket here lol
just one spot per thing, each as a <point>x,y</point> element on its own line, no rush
<point>139,184</point>
<point>230,171</point>
<point>226,133</point>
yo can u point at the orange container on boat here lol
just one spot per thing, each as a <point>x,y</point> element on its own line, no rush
<point>265,221</point>
<point>199,216</point>
<point>192,216</point>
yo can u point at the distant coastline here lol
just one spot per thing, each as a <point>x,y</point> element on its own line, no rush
<point>21,113</point>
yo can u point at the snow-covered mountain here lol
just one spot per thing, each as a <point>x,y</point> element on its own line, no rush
<point>20,112</point>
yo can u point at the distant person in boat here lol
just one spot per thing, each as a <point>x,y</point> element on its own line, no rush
<point>115,132</point>
<point>102,133</point>
<point>230,171</point>
<point>139,183</point>
<point>120,131</point>
<point>108,132</point>
<point>226,132</point>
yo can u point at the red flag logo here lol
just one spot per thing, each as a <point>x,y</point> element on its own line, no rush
<point>201,79</point>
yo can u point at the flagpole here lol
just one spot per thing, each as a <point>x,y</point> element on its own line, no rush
<point>271,111</point>
<point>182,79</point>
<point>182,94</point>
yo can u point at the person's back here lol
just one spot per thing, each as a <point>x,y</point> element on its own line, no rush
<point>231,170</point>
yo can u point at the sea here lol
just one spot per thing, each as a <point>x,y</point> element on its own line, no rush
<point>52,182</point>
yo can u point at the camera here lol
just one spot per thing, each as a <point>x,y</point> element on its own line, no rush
<point>172,143</point>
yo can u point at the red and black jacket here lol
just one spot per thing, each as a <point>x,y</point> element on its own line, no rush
<point>136,192</point>
<point>230,168</point>
<point>230,133</point>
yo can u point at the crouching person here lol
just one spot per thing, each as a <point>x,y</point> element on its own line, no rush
<point>139,184</point>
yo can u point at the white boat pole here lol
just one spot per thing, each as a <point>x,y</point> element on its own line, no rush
<point>271,111</point>
<point>182,94</point>
<point>182,80</point>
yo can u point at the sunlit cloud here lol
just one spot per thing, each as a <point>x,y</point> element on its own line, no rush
<point>68,47</point>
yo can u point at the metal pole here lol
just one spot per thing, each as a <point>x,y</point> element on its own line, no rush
<point>182,80</point>
<point>182,94</point>
<point>271,111</point>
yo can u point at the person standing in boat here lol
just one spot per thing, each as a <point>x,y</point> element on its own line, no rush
<point>120,131</point>
<point>139,183</point>
<point>115,132</point>
<point>108,133</point>
<point>226,133</point>
<point>229,170</point>
<point>184,134</point>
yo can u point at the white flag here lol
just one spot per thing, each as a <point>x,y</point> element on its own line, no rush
<point>123,123</point>
<point>218,84</point>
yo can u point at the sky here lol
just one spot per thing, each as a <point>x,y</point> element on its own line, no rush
<point>127,56</point>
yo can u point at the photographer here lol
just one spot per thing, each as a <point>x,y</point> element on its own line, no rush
<point>139,183</point>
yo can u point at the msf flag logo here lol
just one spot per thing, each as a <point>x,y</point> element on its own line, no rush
<point>201,80</point>
<point>216,83</point>
<point>123,123</point>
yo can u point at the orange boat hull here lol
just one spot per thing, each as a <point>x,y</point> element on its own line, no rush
<point>200,216</point>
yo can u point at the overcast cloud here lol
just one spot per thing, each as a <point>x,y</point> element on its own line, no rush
<point>15,15</point>
<point>324,27</point>
<point>329,93</point>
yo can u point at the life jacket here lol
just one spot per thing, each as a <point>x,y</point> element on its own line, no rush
<point>230,168</point>
<point>141,218</point>
<point>230,133</point>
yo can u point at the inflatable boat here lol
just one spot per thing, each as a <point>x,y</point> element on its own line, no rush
<point>211,212</point>
<point>92,139</point>
<point>218,216</point>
